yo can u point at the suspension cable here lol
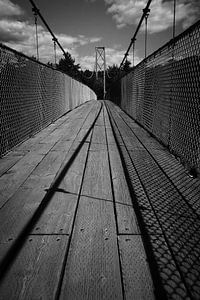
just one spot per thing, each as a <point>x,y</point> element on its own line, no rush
<point>145,11</point>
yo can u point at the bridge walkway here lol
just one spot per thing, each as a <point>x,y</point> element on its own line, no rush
<point>93,207</point>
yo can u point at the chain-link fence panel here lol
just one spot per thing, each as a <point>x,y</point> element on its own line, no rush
<point>32,95</point>
<point>185,116</point>
<point>162,93</point>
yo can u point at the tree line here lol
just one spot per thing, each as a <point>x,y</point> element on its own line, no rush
<point>68,66</point>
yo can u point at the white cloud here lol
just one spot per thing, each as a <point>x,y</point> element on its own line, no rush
<point>20,35</point>
<point>7,8</point>
<point>128,12</point>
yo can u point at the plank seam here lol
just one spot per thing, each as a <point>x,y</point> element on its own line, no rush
<point>20,240</point>
<point>159,290</point>
<point>115,213</point>
<point>60,282</point>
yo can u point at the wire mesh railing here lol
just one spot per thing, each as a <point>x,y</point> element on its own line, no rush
<point>33,95</point>
<point>162,93</point>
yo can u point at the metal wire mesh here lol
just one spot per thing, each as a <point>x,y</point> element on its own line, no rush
<point>32,96</point>
<point>171,219</point>
<point>162,93</point>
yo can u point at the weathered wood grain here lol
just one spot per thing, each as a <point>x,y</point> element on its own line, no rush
<point>126,219</point>
<point>92,270</point>
<point>50,164</point>
<point>98,147</point>
<point>110,136</point>
<point>106,118</point>
<point>100,119</point>
<point>99,135</point>
<point>14,177</point>
<point>35,272</point>
<point>8,161</point>
<point>135,270</point>
<point>58,215</point>
<point>121,191</point>
<point>97,177</point>
<point>87,124</point>
<point>62,146</point>
<point>17,213</point>
<point>116,164</point>
<point>72,180</point>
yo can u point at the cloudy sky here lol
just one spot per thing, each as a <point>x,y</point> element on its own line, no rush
<point>80,25</point>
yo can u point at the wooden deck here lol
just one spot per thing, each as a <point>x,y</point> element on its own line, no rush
<point>93,207</point>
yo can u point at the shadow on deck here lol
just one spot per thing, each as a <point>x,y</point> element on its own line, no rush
<point>93,207</point>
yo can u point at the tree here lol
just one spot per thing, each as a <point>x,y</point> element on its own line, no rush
<point>68,66</point>
<point>127,67</point>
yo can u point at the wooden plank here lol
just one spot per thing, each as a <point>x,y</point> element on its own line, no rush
<point>99,135</point>
<point>8,161</point>
<point>110,136</point>
<point>122,194</point>
<point>50,164</point>
<point>58,215</point>
<point>42,148</point>
<point>132,142</point>
<point>4,248</point>
<point>97,176</point>
<point>12,179</point>
<point>36,271</point>
<point>17,213</point>
<point>92,270</point>
<point>24,203</point>
<point>126,219</point>
<point>116,164</point>
<point>72,180</point>
<point>100,119</point>
<point>98,147</point>
<point>135,270</point>
<point>73,129</point>
<point>87,124</point>
<point>82,134</point>
<point>26,145</point>
<point>106,118</point>
<point>62,146</point>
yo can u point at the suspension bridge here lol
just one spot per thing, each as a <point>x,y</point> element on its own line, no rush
<point>99,199</point>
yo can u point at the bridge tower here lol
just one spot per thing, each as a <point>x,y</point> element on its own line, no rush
<point>100,65</point>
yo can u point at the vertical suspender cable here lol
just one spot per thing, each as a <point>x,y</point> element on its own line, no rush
<point>104,75</point>
<point>47,26</point>
<point>54,44</point>
<point>174,20</point>
<point>36,33</point>
<point>134,51</point>
<point>145,39</point>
